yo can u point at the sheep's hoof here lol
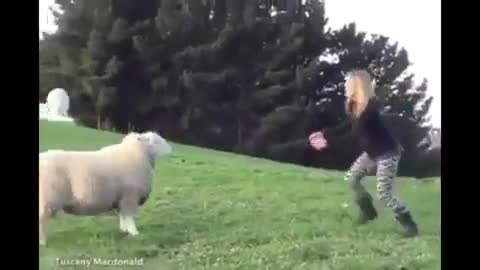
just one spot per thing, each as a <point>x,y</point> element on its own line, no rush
<point>133,233</point>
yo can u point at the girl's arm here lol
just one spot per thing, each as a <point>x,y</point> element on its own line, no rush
<point>339,130</point>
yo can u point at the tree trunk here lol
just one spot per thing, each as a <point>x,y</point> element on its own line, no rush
<point>99,122</point>
<point>239,133</point>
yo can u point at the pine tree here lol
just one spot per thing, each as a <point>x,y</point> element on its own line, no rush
<point>96,59</point>
<point>281,94</point>
<point>224,74</point>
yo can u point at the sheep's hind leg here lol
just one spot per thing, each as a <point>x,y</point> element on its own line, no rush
<point>43,218</point>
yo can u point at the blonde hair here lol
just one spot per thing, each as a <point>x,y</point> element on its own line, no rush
<point>359,90</point>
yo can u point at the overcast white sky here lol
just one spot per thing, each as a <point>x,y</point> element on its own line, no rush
<point>415,24</point>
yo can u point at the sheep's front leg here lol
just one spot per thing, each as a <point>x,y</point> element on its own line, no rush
<point>127,210</point>
<point>130,226</point>
<point>122,224</point>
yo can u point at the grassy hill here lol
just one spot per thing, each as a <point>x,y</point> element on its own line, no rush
<point>216,210</point>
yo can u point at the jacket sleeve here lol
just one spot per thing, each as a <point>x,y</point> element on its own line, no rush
<point>342,129</point>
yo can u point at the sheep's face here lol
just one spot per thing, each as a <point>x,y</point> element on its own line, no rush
<point>156,144</point>
<point>129,138</point>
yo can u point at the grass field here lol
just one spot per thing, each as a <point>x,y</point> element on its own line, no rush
<point>215,210</point>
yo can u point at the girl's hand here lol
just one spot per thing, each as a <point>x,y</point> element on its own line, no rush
<point>318,141</point>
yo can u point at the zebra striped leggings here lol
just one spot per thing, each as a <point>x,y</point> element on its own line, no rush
<point>387,166</point>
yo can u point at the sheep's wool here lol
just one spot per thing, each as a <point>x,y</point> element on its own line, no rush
<point>118,177</point>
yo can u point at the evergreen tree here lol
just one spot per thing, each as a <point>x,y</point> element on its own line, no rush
<point>225,74</point>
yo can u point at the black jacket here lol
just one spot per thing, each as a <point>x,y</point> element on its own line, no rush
<point>374,137</point>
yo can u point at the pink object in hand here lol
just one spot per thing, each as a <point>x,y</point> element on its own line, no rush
<point>315,135</point>
<point>317,140</point>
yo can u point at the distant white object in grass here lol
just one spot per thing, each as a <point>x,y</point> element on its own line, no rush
<point>56,108</point>
<point>58,102</point>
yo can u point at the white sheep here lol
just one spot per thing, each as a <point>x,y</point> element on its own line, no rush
<point>116,177</point>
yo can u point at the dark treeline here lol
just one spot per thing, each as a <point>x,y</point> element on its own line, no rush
<point>226,74</point>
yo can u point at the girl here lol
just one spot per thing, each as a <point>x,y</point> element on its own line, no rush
<point>381,150</point>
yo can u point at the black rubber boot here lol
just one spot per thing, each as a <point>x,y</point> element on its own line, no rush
<point>367,210</point>
<point>410,228</point>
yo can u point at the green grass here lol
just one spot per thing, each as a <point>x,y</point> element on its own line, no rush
<point>216,210</point>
